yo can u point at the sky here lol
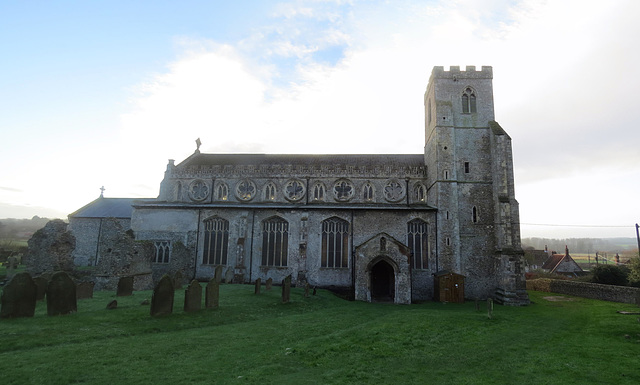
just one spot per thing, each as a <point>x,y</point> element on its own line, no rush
<point>103,93</point>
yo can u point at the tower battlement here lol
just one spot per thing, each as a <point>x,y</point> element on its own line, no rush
<point>454,73</point>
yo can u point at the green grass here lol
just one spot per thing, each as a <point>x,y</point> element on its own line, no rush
<point>323,340</point>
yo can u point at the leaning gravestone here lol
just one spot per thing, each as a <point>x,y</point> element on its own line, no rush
<point>268,284</point>
<point>84,290</point>
<point>257,286</point>
<point>286,289</point>
<point>125,287</point>
<point>228,277</point>
<point>177,280</point>
<point>218,274</point>
<point>212,294</point>
<point>193,297</point>
<point>19,297</point>
<point>162,299</point>
<point>41,283</point>
<point>61,295</point>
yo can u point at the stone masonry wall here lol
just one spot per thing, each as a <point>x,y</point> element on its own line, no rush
<point>611,293</point>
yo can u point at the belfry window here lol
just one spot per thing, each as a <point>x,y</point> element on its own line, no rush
<point>417,241</point>
<point>275,242</point>
<point>216,241</point>
<point>474,214</point>
<point>335,243</point>
<point>468,101</point>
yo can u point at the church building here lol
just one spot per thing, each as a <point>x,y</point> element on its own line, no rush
<point>381,227</point>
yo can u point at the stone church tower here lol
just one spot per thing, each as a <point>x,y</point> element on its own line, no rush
<point>470,168</point>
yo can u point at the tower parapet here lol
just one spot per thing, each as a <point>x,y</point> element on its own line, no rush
<point>454,73</point>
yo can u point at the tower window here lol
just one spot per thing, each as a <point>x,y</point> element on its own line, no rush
<point>474,214</point>
<point>466,167</point>
<point>468,101</point>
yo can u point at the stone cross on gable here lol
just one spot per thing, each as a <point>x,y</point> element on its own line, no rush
<point>102,192</point>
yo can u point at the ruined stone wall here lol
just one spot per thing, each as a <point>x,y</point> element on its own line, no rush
<point>50,249</point>
<point>88,233</point>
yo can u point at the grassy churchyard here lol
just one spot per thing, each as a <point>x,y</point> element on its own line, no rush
<point>255,339</point>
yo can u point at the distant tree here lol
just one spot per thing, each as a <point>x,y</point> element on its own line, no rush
<point>634,272</point>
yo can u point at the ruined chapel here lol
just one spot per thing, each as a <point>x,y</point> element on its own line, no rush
<point>382,227</point>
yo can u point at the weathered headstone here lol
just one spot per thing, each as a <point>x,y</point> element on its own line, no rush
<point>11,266</point>
<point>212,294</point>
<point>490,308</point>
<point>193,297</point>
<point>268,284</point>
<point>125,287</point>
<point>84,290</point>
<point>162,299</point>
<point>19,297</point>
<point>228,276</point>
<point>258,283</point>
<point>112,305</point>
<point>61,295</point>
<point>41,282</point>
<point>306,290</point>
<point>177,280</point>
<point>286,289</point>
<point>218,274</point>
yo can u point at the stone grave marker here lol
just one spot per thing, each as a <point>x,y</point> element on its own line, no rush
<point>193,297</point>
<point>218,274</point>
<point>228,276</point>
<point>162,299</point>
<point>257,286</point>
<point>19,297</point>
<point>61,295</point>
<point>177,280</point>
<point>84,290</point>
<point>125,287</point>
<point>286,289</point>
<point>112,305</point>
<point>212,294</point>
<point>41,284</point>
<point>268,284</point>
<point>12,265</point>
<point>306,290</point>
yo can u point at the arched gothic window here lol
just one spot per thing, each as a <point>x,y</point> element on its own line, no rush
<point>468,101</point>
<point>216,241</point>
<point>270,192</point>
<point>335,243</point>
<point>163,251</point>
<point>223,192</point>
<point>417,241</point>
<point>318,192</point>
<point>420,193</point>
<point>368,192</point>
<point>275,242</point>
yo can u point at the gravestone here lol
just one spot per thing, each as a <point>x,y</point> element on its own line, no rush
<point>125,287</point>
<point>286,289</point>
<point>19,297</point>
<point>490,308</point>
<point>268,284</point>
<point>84,290</point>
<point>193,297</point>
<point>112,305</point>
<point>228,277</point>
<point>218,274</point>
<point>177,280</point>
<point>212,294</point>
<point>12,265</point>
<point>41,284</point>
<point>162,299</point>
<point>306,290</point>
<point>257,286</point>
<point>61,295</point>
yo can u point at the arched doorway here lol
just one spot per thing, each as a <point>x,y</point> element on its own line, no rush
<point>383,282</point>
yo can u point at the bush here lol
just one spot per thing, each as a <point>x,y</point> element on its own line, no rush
<point>610,275</point>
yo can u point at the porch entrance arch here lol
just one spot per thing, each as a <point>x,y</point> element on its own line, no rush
<point>383,282</point>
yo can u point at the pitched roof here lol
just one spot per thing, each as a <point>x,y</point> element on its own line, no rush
<point>106,208</point>
<point>198,159</point>
<point>553,261</point>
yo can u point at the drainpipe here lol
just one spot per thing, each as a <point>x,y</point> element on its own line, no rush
<point>195,260</point>
<point>253,228</point>
<point>353,261</point>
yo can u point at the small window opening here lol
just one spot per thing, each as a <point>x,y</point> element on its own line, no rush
<point>466,167</point>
